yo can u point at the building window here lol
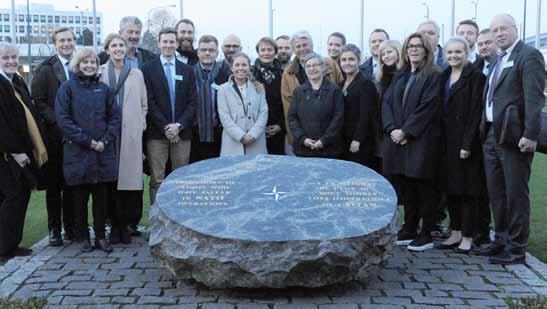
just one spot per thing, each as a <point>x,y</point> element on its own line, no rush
<point>43,18</point>
<point>35,18</point>
<point>63,19</point>
<point>77,19</point>
<point>29,29</point>
<point>90,19</point>
<point>98,20</point>
<point>21,17</point>
<point>1,28</point>
<point>7,28</point>
<point>71,19</point>
<point>21,29</point>
<point>43,29</point>
<point>36,29</point>
<point>84,20</point>
<point>6,17</point>
<point>50,19</point>
<point>78,30</point>
<point>57,19</point>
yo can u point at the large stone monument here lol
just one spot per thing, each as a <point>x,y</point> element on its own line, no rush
<point>273,221</point>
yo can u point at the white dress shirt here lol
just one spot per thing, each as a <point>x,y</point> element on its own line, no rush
<point>489,110</point>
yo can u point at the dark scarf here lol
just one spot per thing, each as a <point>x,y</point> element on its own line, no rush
<point>266,73</point>
<point>206,113</point>
<point>191,55</point>
<point>117,84</point>
<point>301,74</point>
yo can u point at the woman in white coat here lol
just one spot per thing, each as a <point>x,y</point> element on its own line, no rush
<point>243,111</point>
<point>130,94</point>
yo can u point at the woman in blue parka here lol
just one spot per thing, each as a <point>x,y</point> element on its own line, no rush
<point>90,121</point>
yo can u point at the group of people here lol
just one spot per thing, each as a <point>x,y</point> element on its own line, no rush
<point>451,127</point>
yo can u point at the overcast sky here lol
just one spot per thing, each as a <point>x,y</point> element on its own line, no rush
<point>249,18</point>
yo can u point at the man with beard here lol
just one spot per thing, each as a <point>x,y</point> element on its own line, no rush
<point>130,30</point>
<point>185,38</point>
<point>469,30</point>
<point>48,77</point>
<point>230,46</point>
<point>284,51</point>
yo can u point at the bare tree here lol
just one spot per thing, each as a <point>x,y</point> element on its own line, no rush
<point>160,19</point>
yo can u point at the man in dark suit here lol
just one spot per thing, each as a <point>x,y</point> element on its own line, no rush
<point>131,30</point>
<point>185,38</point>
<point>431,29</point>
<point>48,76</point>
<point>230,46</point>
<point>171,89</point>
<point>513,98</point>
<point>487,48</point>
<point>369,67</point>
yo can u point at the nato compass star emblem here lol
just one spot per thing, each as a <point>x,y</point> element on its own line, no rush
<point>277,195</point>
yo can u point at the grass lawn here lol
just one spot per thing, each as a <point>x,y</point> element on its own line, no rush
<point>36,221</point>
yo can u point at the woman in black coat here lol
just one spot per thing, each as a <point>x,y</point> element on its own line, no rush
<point>462,161</point>
<point>267,70</point>
<point>411,147</point>
<point>316,114</point>
<point>360,110</point>
<point>22,152</point>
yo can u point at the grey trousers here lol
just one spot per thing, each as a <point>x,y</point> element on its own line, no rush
<point>507,175</point>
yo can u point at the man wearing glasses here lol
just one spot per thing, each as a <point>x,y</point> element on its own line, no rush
<point>207,131</point>
<point>230,46</point>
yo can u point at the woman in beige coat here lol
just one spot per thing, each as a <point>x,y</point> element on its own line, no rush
<point>243,111</point>
<point>130,94</point>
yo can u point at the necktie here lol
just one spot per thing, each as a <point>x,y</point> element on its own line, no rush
<point>67,69</point>
<point>171,84</point>
<point>495,76</point>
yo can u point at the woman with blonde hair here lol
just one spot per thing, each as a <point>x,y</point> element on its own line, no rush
<point>243,111</point>
<point>129,91</point>
<point>90,121</point>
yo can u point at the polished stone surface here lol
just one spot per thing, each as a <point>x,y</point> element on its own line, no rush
<point>278,198</point>
<point>273,221</point>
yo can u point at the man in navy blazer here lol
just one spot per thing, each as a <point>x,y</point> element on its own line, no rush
<point>513,99</point>
<point>172,100</point>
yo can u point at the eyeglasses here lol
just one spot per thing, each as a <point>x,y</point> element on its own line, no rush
<point>417,46</point>
<point>207,50</point>
<point>231,46</point>
<point>313,66</point>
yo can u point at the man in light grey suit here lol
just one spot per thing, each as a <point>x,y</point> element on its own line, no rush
<point>513,98</point>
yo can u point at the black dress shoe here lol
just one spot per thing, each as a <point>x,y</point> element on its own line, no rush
<point>506,258</point>
<point>491,250</point>
<point>134,230</point>
<point>125,236</point>
<point>55,239</point>
<point>69,235</point>
<point>482,239</point>
<point>103,244</point>
<point>442,246</point>
<point>85,246</point>
<point>114,237</point>
<point>21,251</point>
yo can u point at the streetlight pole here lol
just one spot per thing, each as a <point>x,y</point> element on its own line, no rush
<point>426,10</point>
<point>476,3</point>
<point>13,16</point>
<point>452,17</point>
<point>270,18</point>
<point>538,24</point>
<point>94,26</point>
<point>181,4</point>
<point>524,23</point>
<point>29,56</point>
<point>362,28</point>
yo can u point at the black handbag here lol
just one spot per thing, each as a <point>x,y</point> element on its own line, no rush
<point>542,141</point>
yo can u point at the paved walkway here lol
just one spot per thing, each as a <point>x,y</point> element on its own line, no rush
<point>129,278</point>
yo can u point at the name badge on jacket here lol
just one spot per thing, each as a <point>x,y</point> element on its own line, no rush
<point>508,64</point>
<point>178,77</point>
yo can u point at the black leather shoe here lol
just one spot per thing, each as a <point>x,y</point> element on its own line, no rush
<point>69,235</point>
<point>506,258</point>
<point>55,239</point>
<point>133,230</point>
<point>20,251</point>
<point>103,244</point>
<point>125,236</point>
<point>85,246</point>
<point>491,250</point>
<point>482,239</point>
<point>442,246</point>
<point>114,237</point>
